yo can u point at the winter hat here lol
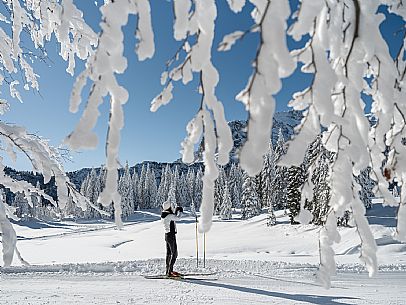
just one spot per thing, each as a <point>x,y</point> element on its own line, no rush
<point>166,205</point>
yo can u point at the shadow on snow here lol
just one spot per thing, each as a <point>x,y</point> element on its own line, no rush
<point>312,299</point>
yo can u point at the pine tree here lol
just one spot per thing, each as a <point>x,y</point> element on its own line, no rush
<point>134,182</point>
<point>367,185</point>
<point>175,181</point>
<point>295,180</point>
<point>259,185</point>
<point>126,192</point>
<point>281,147</point>
<point>90,193</point>
<point>151,188</point>
<point>319,205</point>
<point>268,176</point>
<point>316,166</point>
<point>164,186</point>
<point>141,187</point>
<point>218,190</point>
<point>249,199</point>
<point>235,184</point>
<point>172,196</point>
<point>182,191</point>
<point>279,198</point>
<point>225,212</point>
<point>96,193</point>
<point>198,188</point>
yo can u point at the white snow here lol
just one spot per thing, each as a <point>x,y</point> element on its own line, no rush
<point>94,263</point>
<point>43,243</point>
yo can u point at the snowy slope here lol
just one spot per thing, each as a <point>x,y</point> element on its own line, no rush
<point>93,263</point>
<point>142,238</point>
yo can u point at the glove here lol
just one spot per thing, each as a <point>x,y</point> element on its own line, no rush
<point>178,210</point>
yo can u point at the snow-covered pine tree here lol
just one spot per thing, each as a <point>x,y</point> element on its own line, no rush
<point>126,191</point>
<point>96,193</point>
<point>172,196</point>
<point>235,179</point>
<point>249,199</point>
<point>279,198</point>
<point>226,207</point>
<point>164,185</point>
<point>295,180</point>
<point>134,182</point>
<point>146,188</point>
<point>218,190</point>
<point>281,147</point>
<point>259,184</point>
<point>92,193</point>
<point>315,166</point>
<point>182,191</point>
<point>141,187</point>
<point>175,181</point>
<point>151,188</point>
<point>320,204</point>
<point>268,176</point>
<point>367,186</point>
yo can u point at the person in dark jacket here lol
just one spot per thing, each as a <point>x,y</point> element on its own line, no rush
<point>169,218</point>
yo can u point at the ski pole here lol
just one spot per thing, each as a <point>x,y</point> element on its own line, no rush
<point>204,250</point>
<point>197,246</point>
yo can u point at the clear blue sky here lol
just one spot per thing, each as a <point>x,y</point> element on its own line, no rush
<point>149,136</point>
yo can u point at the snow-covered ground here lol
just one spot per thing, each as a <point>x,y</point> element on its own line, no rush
<point>94,263</point>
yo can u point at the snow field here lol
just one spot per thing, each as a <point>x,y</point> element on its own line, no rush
<point>94,263</point>
<point>142,238</point>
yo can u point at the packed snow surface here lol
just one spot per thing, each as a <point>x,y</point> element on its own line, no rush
<point>94,263</point>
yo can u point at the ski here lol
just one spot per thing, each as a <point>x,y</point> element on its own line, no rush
<point>187,278</point>
<point>182,277</point>
<point>198,274</point>
<point>159,276</point>
<point>194,274</point>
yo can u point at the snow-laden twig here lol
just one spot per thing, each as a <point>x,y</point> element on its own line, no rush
<point>210,120</point>
<point>272,62</point>
<point>44,160</point>
<point>101,68</point>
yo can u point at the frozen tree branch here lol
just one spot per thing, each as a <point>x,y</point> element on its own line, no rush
<point>345,52</point>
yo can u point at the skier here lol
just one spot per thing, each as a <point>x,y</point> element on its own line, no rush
<point>169,218</point>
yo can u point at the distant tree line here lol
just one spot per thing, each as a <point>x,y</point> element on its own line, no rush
<point>274,188</point>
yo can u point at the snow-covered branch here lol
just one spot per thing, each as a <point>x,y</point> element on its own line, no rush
<point>101,69</point>
<point>44,160</point>
<point>210,120</point>
<point>272,62</point>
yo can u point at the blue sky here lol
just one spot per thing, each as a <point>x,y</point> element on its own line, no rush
<point>149,136</point>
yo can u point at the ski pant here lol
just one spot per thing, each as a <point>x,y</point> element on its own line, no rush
<point>171,251</point>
